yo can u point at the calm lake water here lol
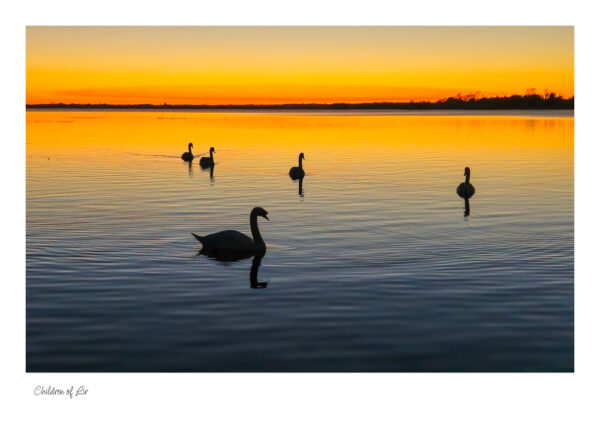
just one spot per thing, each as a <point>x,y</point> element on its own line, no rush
<point>374,268</point>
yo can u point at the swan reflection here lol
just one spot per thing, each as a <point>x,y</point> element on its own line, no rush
<point>467,208</point>
<point>254,283</point>
<point>227,259</point>
<point>300,192</point>
<point>212,171</point>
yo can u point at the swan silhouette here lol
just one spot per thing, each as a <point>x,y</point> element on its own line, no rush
<point>466,189</point>
<point>188,156</point>
<point>233,245</point>
<point>297,172</point>
<point>206,162</point>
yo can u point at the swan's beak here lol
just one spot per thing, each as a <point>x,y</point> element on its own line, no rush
<point>267,218</point>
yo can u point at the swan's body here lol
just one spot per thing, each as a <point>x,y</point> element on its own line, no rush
<point>206,162</point>
<point>233,244</point>
<point>466,189</point>
<point>296,172</point>
<point>226,240</point>
<point>188,156</point>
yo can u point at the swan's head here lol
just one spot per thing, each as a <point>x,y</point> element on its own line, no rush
<point>212,150</point>
<point>258,211</point>
<point>467,171</point>
<point>190,145</point>
<point>301,156</point>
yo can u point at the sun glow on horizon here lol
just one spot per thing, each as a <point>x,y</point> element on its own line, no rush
<point>270,65</point>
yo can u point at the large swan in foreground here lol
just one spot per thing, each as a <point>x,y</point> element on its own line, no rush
<point>233,244</point>
<point>297,172</point>
<point>187,156</point>
<point>466,189</point>
<point>206,162</point>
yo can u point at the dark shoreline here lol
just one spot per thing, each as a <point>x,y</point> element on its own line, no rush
<point>528,102</point>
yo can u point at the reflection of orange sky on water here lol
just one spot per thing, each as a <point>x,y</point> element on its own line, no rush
<point>327,140</point>
<point>240,65</point>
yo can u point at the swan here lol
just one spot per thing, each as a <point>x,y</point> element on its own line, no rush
<point>206,162</point>
<point>297,172</point>
<point>233,244</point>
<point>466,189</point>
<point>187,156</point>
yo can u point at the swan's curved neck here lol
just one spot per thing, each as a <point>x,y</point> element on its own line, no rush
<point>190,149</point>
<point>467,177</point>
<point>258,240</point>
<point>300,162</point>
<point>211,154</point>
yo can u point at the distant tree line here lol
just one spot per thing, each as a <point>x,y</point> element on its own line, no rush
<point>530,100</point>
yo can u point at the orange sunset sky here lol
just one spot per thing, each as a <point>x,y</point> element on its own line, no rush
<point>267,65</point>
